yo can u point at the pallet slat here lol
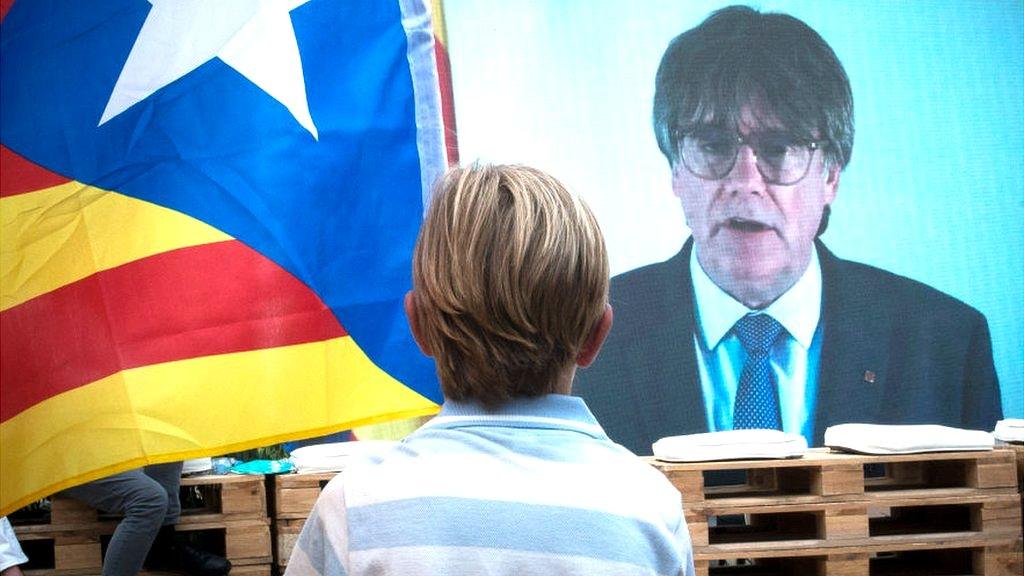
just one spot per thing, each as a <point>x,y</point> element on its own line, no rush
<point>981,561</point>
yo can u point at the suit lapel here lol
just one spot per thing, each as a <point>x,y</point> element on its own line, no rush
<point>672,398</point>
<point>854,350</point>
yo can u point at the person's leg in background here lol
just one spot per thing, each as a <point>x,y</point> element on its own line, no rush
<point>169,551</point>
<point>143,502</point>
<point>168,476</point>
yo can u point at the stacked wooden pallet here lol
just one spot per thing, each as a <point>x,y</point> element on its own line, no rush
<point>1018,451</point>
<point>226,515</point>
<point>830,513</point>
<point>292,502</point>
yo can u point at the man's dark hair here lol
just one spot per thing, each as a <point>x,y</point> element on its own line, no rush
<point>774,62</point>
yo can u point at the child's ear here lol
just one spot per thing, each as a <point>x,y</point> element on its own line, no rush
<point>593,343</point>
<point>414,325</point>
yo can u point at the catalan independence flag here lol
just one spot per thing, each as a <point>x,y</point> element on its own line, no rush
<point>208,213</point>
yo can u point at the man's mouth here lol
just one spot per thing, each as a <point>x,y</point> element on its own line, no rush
<point>745,225</point>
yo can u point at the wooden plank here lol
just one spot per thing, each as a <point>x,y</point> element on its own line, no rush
<point>295,494</point>
<point>804,566</point>
<point>690,484</point>
<point>895,496</point>
<point>1002,560</point>
<point>244,498</point>
<point>848,564</point>
<point>204,479</point>
<point>250,570</point>
<point>993,474</point>
<point>1003,515</point>
<point>286,533</point>
<point>980,560</point>
<point>837,479</point>
<point>699,532</point>
<point>248,544</point>
<point>68,511</point>
<point>247,570</point>
<point>1018,452</point>
<point>296,502</point>
<point>773,506</point>
<point>294,497</point>
<point>77,552</point>
<point>821,456</point>
<point>841,524</point>
<point>819,547</point>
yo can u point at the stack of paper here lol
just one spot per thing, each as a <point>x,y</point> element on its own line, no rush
<point>334,456</point>
<point>905,438</point>
<point>730,445</point>
<point>1010,430</point>
<point>196,466</point>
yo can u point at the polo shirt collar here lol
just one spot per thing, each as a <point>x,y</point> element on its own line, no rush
<point>551,411</point>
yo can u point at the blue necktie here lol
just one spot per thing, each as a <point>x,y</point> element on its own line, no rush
<point>757,404</point>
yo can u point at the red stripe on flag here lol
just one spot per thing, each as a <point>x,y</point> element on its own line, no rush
<point>197,301</point>
<point>21,176</point>
<point>444,78</point>
<point>5,5</point>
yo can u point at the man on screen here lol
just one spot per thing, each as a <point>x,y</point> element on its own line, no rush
<point>755,323</point>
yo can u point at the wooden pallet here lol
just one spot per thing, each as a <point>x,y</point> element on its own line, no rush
<point>292,502</point>
<point>226,515</point>
<point>961,558</point>
<point>827,510</point>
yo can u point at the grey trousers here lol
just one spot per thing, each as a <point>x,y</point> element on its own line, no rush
<point>148,498</point>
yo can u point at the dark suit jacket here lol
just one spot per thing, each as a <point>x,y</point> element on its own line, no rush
<point>895,351</point>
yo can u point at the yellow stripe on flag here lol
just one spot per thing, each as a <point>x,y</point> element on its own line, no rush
<point>62,234</point>
<point>111,424</point>
<point>437,20</point>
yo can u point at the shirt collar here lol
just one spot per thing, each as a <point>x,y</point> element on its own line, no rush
<point>551,411</point>
<point>798,309</point>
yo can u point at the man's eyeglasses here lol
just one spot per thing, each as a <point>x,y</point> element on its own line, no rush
<point>781,159</point>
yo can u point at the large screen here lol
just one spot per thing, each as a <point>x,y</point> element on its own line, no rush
<point>933,188</point>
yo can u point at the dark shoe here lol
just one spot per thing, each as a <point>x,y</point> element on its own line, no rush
<point>170,554</point>
<point>200,563</point>
<point>162,554</point>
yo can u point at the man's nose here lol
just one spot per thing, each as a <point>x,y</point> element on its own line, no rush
<point>745,176</point>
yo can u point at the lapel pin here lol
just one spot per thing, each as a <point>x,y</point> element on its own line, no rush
<point>869,376</point>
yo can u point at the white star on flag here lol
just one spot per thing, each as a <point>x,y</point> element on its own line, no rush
<point>255,38</point>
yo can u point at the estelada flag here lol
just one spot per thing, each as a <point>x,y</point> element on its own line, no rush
<point>208,213</point>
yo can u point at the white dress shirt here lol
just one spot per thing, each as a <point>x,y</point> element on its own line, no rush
<point>794,357</point>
